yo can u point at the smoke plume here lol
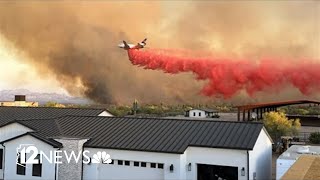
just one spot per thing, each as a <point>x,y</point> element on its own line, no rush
<point>75,42</point>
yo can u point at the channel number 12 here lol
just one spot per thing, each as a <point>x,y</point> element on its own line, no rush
<point>32,159</point>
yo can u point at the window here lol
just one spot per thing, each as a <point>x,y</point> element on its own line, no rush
<point>194,113</point>
<point>112,162</point>
<point>21,168</point>
<point>136,163</point>
<point>160,166</point>
<point>127,163</point>
<point>37,168</point>
<point>143,164</point>
<point>153,165</point>
<point>199,113</point>
<point>1,158</point>
<point>120,162</point>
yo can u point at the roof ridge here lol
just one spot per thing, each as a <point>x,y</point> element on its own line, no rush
<point>33,119</point>
<point>105,109</point>
<point>168,119</point>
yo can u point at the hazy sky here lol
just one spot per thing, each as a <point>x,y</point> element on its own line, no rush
<point>15,74</point>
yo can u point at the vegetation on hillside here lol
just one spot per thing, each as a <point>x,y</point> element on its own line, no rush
<point>302,110</point>
<point>147,109</point>
<point>163,109</point>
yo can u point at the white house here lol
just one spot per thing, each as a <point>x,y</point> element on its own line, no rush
<point>201,113</point>
<point>9,114</point>
<point>291,155</point>
<point>20,101</point>
<point>140,148</point>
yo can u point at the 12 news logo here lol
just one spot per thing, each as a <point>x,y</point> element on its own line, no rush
<point>57,156</point>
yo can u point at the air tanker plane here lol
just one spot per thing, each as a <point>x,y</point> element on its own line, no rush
<point>127,46</point>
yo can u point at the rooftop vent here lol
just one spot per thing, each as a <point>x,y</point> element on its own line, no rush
<point>303,150</point>
<point>19,98</point>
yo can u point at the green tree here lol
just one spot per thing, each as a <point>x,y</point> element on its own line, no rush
<point>277,125</point>
<point>314,138</point>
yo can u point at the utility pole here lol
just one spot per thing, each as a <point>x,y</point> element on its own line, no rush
<point>135,107</point>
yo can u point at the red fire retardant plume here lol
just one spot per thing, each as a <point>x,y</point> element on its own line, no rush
<point>227,77</point>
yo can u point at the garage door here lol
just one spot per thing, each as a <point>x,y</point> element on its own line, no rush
<point>215,172</point>
<point>121,169</point>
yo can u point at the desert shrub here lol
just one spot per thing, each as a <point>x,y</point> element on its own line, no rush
<point>314,138</point>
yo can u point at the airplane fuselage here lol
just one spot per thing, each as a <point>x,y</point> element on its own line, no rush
<point>131,46</point>
<point>126,46</point>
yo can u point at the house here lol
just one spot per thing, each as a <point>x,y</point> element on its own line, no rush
<point>140,148</point>
<point>8,114</point>
<point>202,113</point>
<point>19,101</point>
<point>291,156</point>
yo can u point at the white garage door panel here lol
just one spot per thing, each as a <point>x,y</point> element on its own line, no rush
<point>129,172</point>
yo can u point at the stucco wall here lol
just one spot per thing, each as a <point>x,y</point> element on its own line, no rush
<point>282,166</point>
<point>12,130</point>
<point>105,113</point>
<point>197,113</point>
<point>9,131</point>
<point>261,158</point>
<point>193,155</point>
<point>48,169</point>
<point>103,171</point>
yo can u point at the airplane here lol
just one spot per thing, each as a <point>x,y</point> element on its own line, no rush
<point>127,46</point>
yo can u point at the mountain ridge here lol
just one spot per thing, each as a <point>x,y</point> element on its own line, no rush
<point>42,98</point>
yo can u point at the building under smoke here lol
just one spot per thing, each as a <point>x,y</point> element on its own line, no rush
<point>19,101</point>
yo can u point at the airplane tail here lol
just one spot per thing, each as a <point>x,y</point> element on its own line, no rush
<point>144,41</point>
<point>126,46</point>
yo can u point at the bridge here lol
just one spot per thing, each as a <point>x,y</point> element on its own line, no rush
<point>246,111</point>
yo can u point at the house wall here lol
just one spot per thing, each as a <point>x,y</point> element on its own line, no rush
<point>197,113</point>
<point>48,169</point>
<point>12,130</point>
<point>19,104</point>
<point>214,156</point>
<point>282,166</point>
<point>193,155</point>
<point>9,131</point>
<point>103,171</point>
<point>105,113</point>
<point>260,158</point>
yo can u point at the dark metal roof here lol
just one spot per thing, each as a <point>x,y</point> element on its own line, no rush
<point>275,104</point>
<point>152,134</point>
<point>8,114</point>
<point>38,136</point>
